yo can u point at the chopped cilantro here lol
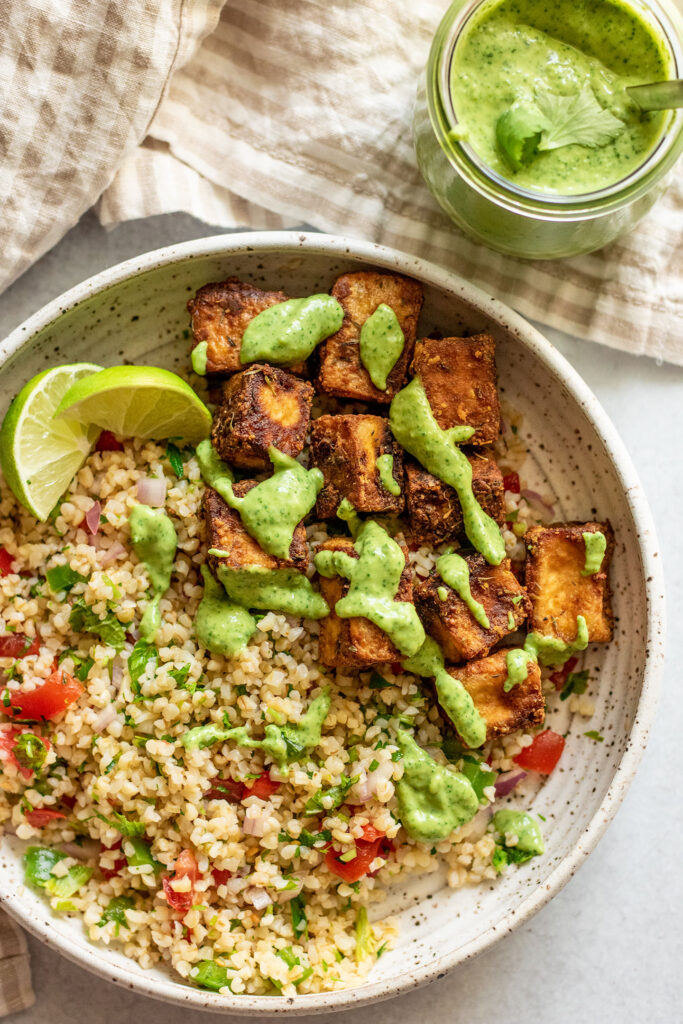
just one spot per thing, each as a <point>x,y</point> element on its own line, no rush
<point>116,911</point>
<point>141,655</point>
<point>478,777</point>
<point>593,734</point>
<point>84,620</point>
<point>299,919</point>
<point>287,955</point>
<point>175,458</point>
<point>378,683</point>
<point>82,665</point>
<point>337,793</point>
<point>209,974</point>
<point>577,682</point>
<point>180,674</point>
<point>123,824</point>
<point>30,751</point>
<point>63,578</point>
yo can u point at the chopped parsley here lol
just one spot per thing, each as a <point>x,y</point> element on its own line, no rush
<point>593,734</point>
<point>82,665</point>
<point>299,919</point>
<point>337,793</point>
<point>577,682</point>
<point>84,620</point>
<point>116,911</point>
<point>377,682</point>
<point>142,654</point>
<point>63,578</point>
<point>30,751</point>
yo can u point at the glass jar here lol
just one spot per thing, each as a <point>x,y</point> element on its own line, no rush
<point>519,221</point>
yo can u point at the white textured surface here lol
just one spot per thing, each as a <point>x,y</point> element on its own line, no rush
<point>604,949</point>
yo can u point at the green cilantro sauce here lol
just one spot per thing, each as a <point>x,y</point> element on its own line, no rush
<point>596,545</point>
<point>454,571</point>
<point>413,425</point>
<point>381,344</point>
<point>276,590</point>
<point>374,581</point>
<point>215,472</point>
<point>154,541</point>
<point>560,69</point>
<point>283,743</point>
<point>271,511</point>
<point>528,831</point>
<point>432,800</point>
<point>385,468</point>
<point>348,514</point>
<point>549,650</point>
<point>443,593</point>
<point>198,358</point>
<point>452,695</point>
<point>289,331</point>
<point>221,626</point>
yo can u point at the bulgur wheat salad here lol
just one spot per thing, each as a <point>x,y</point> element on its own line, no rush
<point>260,664</point>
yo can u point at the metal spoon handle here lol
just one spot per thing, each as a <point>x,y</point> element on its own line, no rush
<point>658,95</point>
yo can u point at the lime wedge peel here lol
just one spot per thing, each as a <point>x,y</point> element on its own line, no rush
<point>40,455</point>
<point>138,401</point>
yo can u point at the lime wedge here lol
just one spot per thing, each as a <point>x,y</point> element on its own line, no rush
<point>41,455</point>
<point>138,401</point>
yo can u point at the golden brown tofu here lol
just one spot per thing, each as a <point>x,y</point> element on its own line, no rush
<point>558,589</point>
<point>459,378</point>
<point>433,507</point>
<point>356,642</point>
<point>220,313</point>
<point>262,406</point>
<point>341,371</point>
<point>521,707</point>
<point>452,624</point>
<point>346,449</point>
<point>225,531</point>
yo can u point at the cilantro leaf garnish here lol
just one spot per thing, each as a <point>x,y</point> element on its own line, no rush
<point>551,121</point>
<point>577,682</point>
<point>84,620</point>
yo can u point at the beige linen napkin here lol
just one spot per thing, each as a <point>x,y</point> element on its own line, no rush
<point>15,974</point>
<point>298,111</point>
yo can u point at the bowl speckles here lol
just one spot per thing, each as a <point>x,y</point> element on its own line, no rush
<point>135,312</point>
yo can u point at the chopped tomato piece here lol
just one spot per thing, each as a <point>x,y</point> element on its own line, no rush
<point>559,678</point>
<point>353,870</point>
<point>17,645</point>
<point>42,816</point>
<point>262,787</point>
<point>6,562</point>
<point>543,754</point>
<point>119,863</point>
<point>220,877</point>
<point>511,483</point>
<point>225,789</point>
<point>51,698</point>
<point>107,442</point>
<point>185,867</point>
<point>370,833</point>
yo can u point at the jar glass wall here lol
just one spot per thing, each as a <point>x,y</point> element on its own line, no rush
<point>521,222</point>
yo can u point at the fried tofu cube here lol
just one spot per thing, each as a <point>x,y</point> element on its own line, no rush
<point>433,507</point>
<point>262,406</point>
<point>341,371</point>
<point>459,378</point>
<point>225,531</point>
<point>354,642</point>
<point>220,313</point>
<point>520,708</point>
<point>346,449</point>
<point>452,624</point>
<point>557,587</point>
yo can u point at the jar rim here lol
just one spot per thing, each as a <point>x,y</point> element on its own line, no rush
<point>483,177</point>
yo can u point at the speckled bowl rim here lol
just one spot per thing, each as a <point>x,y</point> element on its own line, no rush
<point>94,958</point>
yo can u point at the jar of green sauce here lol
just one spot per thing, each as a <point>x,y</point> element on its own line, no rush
<point>524,129</point>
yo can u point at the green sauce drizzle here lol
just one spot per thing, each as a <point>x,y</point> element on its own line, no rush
<point>454,571</point>
<point>553,652</point>
<point>154,541</point>
<point>375,577</point>
<point>198,358</point>
<point>452,695</point>
<point>432,800</point>
<point>221,626</point>
<point>381,344</point>
<point>596,545</point>
<point>282,743</point>
<point>289,331</point>
<point>385,468</point>
<point>413,425</point>
<point>517,661</point>
<point>348,514</point>
<point>271,511</point>
<point>215,472</point>
<point>526,828</point>
<point>443,593</point>
<point>277,590</point>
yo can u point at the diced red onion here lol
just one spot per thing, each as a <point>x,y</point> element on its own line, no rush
<point>105,718</point>
<point>111,554</point>
<point>81,851</point>
<point>364,791</point>
<point>479,823</point>
<point>507,781</point>
<point>235,885</point>
<point>259,898</point>
<point>92,518</point>
<point>152,491</point>
<point>536,499</point>
<point>116,674</point>
<point>254,824</point>
<point>285,895</point>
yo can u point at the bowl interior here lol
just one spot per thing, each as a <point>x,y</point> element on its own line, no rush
<point>142,318</point>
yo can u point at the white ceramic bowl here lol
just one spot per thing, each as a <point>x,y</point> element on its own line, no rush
<point>136,311</point>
